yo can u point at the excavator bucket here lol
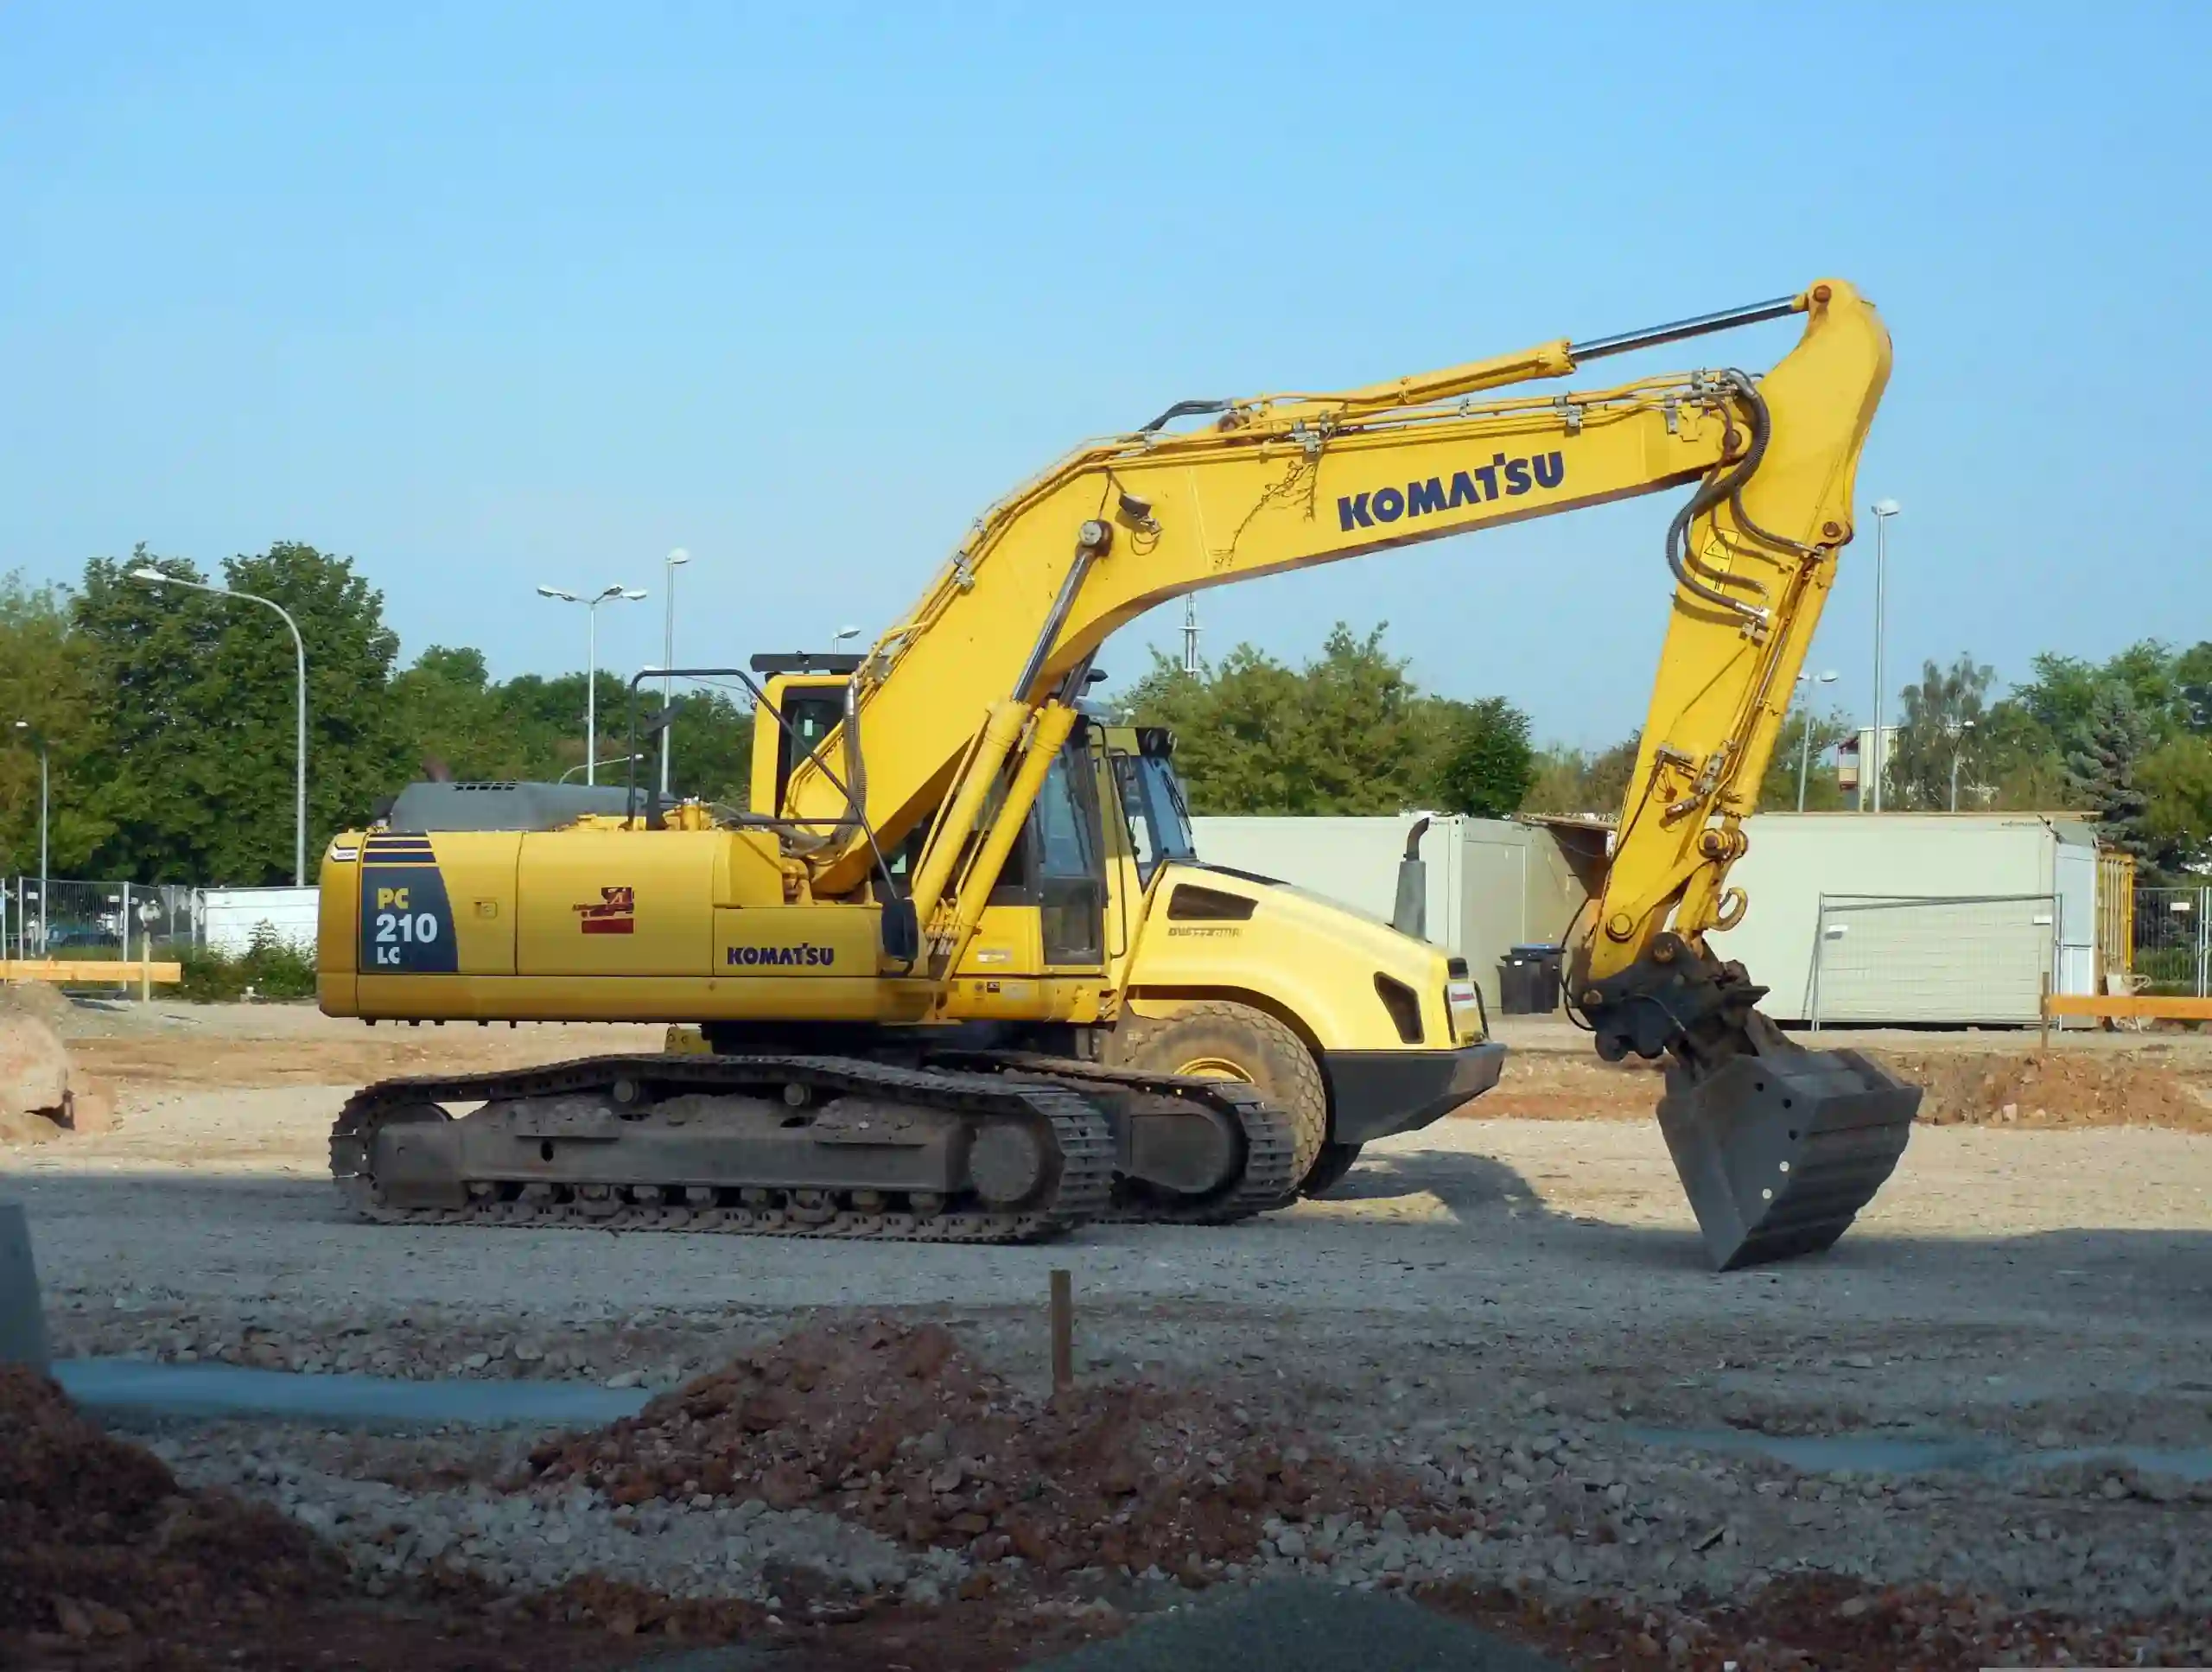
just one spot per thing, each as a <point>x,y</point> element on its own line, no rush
<point>1779,1151</point>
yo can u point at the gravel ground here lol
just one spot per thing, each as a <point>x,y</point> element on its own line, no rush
<point>536,1540</point>
<point>1492,1304</point>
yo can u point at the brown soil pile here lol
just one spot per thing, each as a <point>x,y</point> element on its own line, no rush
<point>35,998</point>
<point>2052,1089</point>
<point>43,1091</point>
<point>1794,1624</point>
<point>894,1426</point>
<point>98,1540</point>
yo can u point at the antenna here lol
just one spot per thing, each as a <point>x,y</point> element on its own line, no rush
<point>1190,663</point>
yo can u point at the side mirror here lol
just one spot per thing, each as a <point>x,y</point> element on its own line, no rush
<point>902,930</point>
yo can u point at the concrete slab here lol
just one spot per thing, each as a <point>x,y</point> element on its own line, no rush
<point>23,1318</point>
<point>1302,1626</point>
<point>138,1387</point>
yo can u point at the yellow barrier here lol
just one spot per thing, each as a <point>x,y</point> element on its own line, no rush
<point>2135,1007</point>
<point>91,970</point>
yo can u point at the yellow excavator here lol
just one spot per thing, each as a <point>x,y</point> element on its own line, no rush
<point>956,972</point>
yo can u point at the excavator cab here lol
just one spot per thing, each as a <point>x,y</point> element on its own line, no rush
<point>807,688</point>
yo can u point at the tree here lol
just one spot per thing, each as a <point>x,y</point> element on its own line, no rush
<point>195,753</point>
<point>2176,783</point>
<point>2101,767</point>
<point>2193,678</point>
<point>1944,716</point>
<point>1573,784</point>
<point>446,712</point>
<point>1778,788</point>
<point>44,679</point>
<point>1349,732</point>
<point>1488,765</point>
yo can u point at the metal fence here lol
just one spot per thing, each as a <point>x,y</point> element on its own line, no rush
<point>1951,960</point>
<point>69,918</point>
<point>2172,946</point>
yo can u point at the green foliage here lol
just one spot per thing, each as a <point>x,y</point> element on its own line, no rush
<point>1348,733</point>
<point>454,718</point>
<point>1577,783</point>
<point>2176,780</point>
<point>46,679</point>
<point>193,750</point>
<point>268,969</point>
<point>2101,766</point>
<point>1940,735</point>
<point>170,718</point>
<point>1778,788</point>
<point>1487,766</point>
<point>2089,736</point>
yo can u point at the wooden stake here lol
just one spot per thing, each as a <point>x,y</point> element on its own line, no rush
<point>2042,1013</point>
<point>1063,1331</point>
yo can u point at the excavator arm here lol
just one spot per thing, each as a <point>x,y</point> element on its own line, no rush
<point>997,649</point>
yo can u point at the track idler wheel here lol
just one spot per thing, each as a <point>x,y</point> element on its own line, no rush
<point>1007,1163</point>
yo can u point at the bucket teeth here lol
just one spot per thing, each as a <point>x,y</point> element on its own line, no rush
<point>1778,1152</point>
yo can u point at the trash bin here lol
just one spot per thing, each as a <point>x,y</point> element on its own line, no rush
<point>1528,981</point>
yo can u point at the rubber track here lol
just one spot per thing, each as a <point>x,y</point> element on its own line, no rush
<point>1270,1144</point>
<point>1085,1143</point>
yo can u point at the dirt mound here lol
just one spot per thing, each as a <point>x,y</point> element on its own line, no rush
<point>98,1540</point>
<point>42,1091</point>
<point>34,998</point>
<point>894,1426</point>
<point>2051,1089</point>
<point>1795,1623</point>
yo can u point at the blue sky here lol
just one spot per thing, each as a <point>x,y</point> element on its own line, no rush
<point>486,296</point>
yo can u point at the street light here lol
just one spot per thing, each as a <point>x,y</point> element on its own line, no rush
<point>1805,750</point>
<point>591,669</point>
<point>674,561</point>
<point>39,738</point>
<point>1883,510</point>
<point>1959,730</point>
<point>843,634</point>
<point>153,576</point>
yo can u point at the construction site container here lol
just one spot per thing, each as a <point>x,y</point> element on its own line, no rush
<point>1856,918</point>
<point>1493,884</point>
<point>1932,919</point>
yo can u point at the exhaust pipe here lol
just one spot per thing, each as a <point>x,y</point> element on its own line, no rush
<point>1410,915</point>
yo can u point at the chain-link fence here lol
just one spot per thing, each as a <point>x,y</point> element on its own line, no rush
<point>2172,947</point>
<point>1946,960</point>
<point>67,917</point>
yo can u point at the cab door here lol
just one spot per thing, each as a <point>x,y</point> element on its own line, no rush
<point>1070,866</point>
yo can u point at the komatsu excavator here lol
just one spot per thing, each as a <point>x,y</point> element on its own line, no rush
<point>958,975</point>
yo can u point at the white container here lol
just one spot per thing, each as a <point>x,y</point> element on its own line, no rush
<point>228,917</point>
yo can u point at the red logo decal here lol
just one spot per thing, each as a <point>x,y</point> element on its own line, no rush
<point>614,912</point>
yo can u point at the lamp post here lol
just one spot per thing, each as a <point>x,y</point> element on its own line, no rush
<point>1883,510</point>
<point>843,634</point>
<point>1805,747</point>
<point>153,576</point>
<point>674,561</point>
<point>1959,730</point>
<point>39,738</point>
<point>591,663</point>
